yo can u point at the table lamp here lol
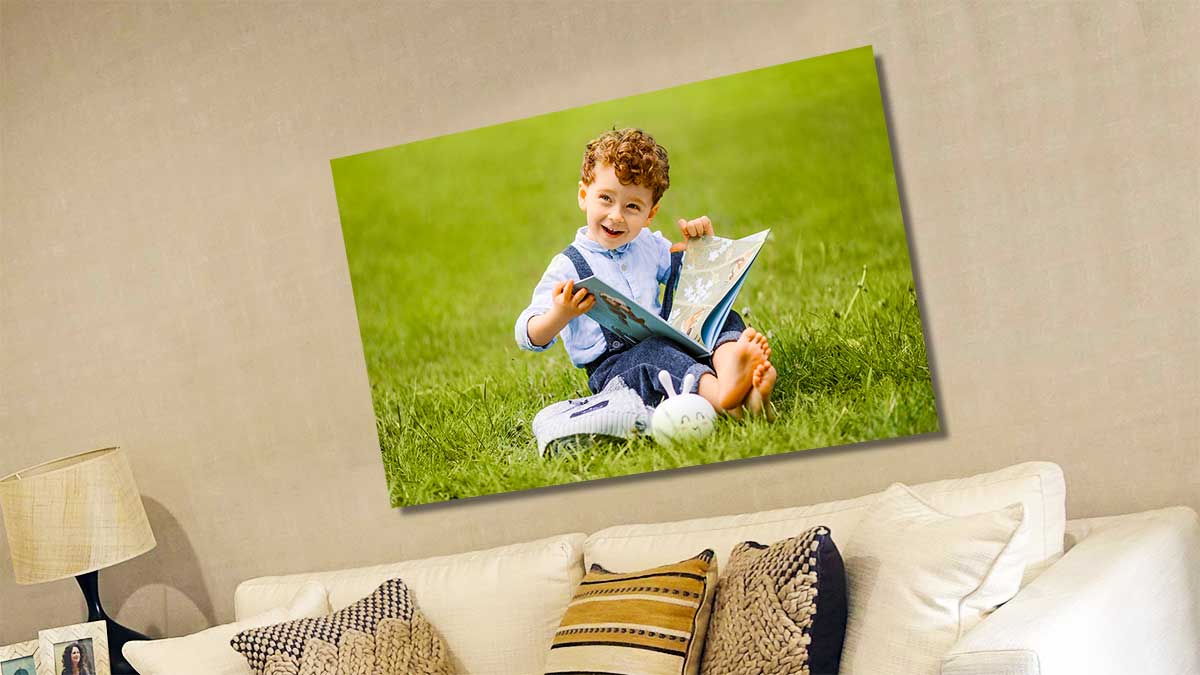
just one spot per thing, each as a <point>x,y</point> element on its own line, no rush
<point>73,517</point>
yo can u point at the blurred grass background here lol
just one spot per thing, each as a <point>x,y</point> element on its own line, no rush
<point>447,237</point>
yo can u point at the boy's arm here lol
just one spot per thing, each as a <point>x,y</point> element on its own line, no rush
<point>538,326</point>
<point>568,303</point>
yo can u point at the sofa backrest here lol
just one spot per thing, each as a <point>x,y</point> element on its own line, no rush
<point>1038,486</point>
<point>497,609</point>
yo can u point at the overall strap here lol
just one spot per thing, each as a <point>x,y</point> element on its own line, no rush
<point>612,341</point>
<point>582,268</point>
<point>672,282</point>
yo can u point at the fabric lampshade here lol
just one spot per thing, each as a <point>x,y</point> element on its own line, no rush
<point>73,515</point>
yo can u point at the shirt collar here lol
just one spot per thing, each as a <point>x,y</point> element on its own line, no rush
<point>584,244</point>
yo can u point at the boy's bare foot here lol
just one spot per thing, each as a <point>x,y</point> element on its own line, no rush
<point>758,399</point>
<point>758,338</point>
<point>735,363</point>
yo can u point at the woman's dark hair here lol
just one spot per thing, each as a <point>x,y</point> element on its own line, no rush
<point>84,668</point>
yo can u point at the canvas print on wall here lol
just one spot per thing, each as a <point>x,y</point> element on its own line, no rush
<point>714,271</point>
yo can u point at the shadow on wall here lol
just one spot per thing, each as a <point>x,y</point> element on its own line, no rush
<point>898,170</point>
<point>150,587</point>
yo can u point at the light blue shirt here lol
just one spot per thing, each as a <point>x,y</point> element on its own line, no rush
<point>637,268</point>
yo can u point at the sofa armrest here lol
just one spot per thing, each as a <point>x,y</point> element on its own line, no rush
<point>1125,599</point>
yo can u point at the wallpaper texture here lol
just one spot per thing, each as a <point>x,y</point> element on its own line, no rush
<point>173,278</point>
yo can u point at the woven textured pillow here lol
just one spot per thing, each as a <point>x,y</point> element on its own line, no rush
<point>780,610</point>
<point>650,622</point>
<point>383,633</point>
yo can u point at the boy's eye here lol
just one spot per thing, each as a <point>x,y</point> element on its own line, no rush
<point>633,206</point>
<point>606,198</point>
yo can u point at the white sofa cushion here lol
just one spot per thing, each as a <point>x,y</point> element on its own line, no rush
<point>208,652</point>
<point>1124,599</point>
<point>1037,486</point>
<point>497,609</point>
<point>918,579</point>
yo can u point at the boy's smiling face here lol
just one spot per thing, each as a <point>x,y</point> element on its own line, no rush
<point>616,213</point>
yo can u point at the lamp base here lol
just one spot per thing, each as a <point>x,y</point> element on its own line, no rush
<point>118,635</point>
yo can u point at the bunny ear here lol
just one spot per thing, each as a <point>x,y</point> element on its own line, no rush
<point>686,386</point>
<point>665,378</point>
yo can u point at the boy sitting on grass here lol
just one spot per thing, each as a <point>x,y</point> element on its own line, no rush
<point>624,175</point>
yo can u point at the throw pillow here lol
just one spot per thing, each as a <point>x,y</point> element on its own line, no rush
<point>780,609</point>
<point>649,622</point>
<point>381,633</point>
<point>208,652</point>
<point>918,579</point>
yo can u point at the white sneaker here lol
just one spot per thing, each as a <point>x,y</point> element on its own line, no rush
<point>616,412</point>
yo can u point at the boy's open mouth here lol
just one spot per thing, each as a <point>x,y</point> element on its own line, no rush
<point>611,232</point>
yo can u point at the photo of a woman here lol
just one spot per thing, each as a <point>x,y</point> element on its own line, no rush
<point>81,649</point>
<point>77,658</point>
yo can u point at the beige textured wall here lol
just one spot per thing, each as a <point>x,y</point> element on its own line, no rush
<point>172,276</point>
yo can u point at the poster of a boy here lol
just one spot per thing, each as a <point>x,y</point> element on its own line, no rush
<point>624,176</point>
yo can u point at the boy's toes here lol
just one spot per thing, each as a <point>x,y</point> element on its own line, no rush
<point>764,378</point>
<point>758,338</point>
<point>762,339</point>
<point>757,355</point>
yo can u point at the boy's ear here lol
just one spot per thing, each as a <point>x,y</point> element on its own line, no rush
<point>582,196</point>
<point>653,211</point>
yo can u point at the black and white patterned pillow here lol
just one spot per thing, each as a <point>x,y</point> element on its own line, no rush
<point>780,610</point>
<point>389,603</point>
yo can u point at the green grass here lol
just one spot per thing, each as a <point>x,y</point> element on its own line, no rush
<point>447,237</point>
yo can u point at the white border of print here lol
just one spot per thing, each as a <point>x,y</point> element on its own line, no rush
<point>95,631</point>
<point>20,650</point>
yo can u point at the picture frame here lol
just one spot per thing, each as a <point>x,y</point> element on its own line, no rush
<point>467,403</point>
<point>91,639</point>
<point>19,658</point>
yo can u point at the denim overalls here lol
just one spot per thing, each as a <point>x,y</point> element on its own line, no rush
<point>638,365</point>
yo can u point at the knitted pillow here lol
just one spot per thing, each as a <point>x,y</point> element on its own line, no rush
<point>382,633</point>
<point>780,610</point>
<point>650,622</point>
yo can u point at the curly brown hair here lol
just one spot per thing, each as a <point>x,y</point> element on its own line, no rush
<point>634,156</point>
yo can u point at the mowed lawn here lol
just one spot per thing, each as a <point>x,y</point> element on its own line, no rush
<point>447,237</point>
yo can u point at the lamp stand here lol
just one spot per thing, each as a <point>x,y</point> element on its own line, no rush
<point>118,635</point>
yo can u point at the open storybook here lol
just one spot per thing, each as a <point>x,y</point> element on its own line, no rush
<point>713,271</point>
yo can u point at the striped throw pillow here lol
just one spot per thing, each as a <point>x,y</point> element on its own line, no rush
<point>650,622</point>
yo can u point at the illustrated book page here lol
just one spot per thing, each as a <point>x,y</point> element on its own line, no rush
<point>712,274</point>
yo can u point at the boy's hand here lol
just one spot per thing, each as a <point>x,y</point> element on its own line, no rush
<point>569,302</point>
<point>699,227</point>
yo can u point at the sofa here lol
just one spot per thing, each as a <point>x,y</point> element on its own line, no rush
<point>1099,595</point>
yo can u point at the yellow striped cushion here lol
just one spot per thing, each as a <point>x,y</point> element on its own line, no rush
<point>650,622</point>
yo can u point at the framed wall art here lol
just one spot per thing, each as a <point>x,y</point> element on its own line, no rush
<point>529,293</point>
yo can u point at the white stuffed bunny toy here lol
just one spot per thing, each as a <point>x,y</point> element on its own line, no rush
<point>681,417</point>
